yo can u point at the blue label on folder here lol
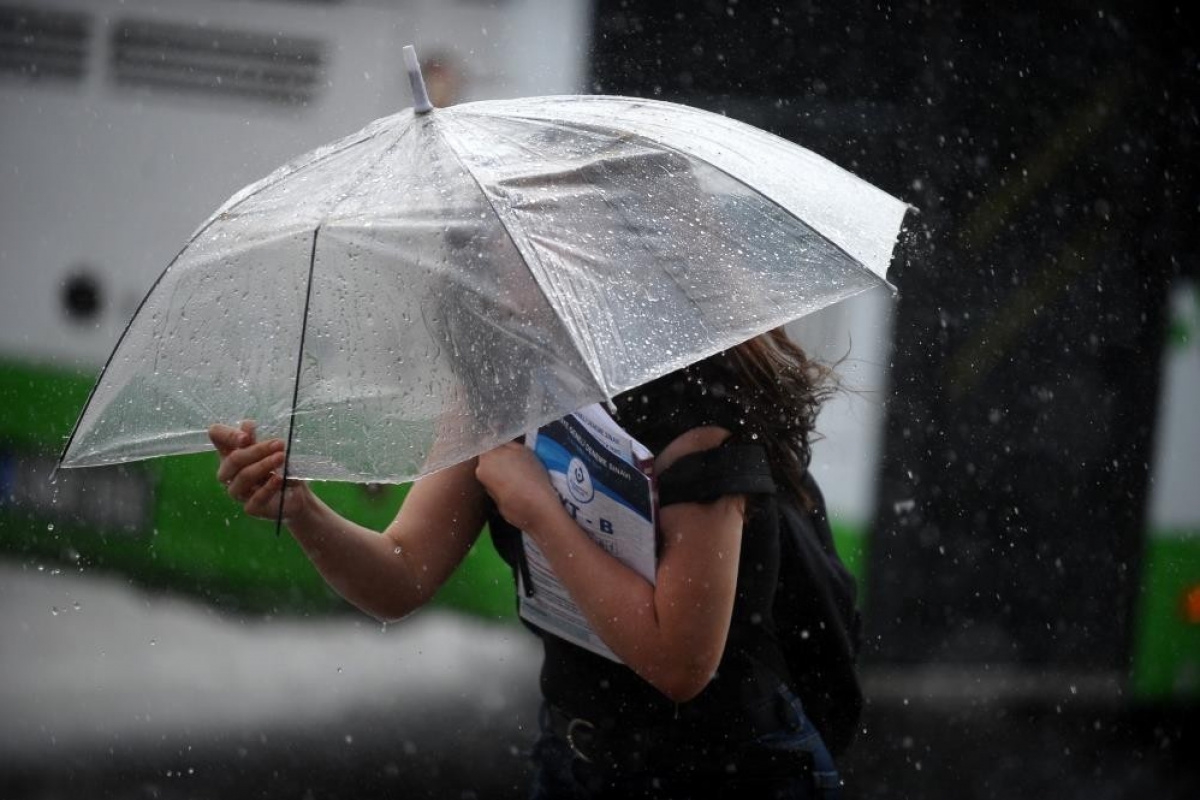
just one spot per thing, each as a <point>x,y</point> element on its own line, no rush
<point>567,447</point>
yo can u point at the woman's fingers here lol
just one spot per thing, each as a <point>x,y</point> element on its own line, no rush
<point>265,500</point>
<point>227,438</point>
<point>248,479</point>
<point>242,457</point>
<point>248,467</point>
<point>224,438</point>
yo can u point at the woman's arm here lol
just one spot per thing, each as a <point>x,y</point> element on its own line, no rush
<point>672,633</point>
<point>387,575</point>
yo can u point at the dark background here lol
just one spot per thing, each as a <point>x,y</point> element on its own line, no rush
<point>1050,152</point>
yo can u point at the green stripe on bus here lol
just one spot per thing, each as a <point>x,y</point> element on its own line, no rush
<point>199,541</point>
<point>1166,662</point>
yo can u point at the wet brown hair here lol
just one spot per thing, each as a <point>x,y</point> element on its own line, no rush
<point>783,391</point>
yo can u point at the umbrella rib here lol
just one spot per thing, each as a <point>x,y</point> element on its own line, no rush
<point>312,261</point>
<point>128,325</point>
<point>366,171</point>
<point>287,459</point>
<point>589,362</point>
<point>262,186</point>
<point>619,342</point>
<point>285,172</point>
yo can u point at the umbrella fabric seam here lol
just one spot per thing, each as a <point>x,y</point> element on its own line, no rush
<point>365,173</point>
<point>587,354</point>
<point>583,324</point>
<point>269,181</point>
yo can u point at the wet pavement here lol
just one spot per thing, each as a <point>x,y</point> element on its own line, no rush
<point>1021,746</point>
<point>111,691</point>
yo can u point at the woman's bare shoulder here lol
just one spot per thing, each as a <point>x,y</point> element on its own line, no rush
<point>705,437</point>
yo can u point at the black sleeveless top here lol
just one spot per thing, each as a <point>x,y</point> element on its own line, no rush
<point>586,685</point>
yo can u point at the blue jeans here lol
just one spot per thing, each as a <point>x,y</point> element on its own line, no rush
<point>802,769</point>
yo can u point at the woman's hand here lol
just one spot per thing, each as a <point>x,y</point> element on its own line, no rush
<point>520,485</point>
<point>248,471</point>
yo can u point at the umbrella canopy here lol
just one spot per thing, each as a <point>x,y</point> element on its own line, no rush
<point>438,283</point>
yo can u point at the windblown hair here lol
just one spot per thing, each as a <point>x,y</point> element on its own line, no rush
<point>782,392</point>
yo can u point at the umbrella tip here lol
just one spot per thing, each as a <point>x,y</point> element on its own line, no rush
<point>421,104</point>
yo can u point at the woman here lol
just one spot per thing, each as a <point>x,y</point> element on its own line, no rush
<point>700,700</point>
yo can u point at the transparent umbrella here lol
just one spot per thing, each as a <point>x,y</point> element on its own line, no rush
<point>445,279</point>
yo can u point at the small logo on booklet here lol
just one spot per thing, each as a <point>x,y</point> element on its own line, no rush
<point>579,482</point>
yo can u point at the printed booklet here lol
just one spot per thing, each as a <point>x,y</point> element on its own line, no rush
<point>604,478</point>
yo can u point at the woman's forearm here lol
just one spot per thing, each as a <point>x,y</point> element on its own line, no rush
<point>390,575</point>
<point>671,633</point>
<point>363,566</point>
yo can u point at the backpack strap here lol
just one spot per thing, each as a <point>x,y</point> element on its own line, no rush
<point>706,475</point>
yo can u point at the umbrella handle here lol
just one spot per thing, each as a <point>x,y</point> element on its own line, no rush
<point>421,104</point>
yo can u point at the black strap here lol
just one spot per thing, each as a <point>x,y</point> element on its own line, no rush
<point>704,476</point>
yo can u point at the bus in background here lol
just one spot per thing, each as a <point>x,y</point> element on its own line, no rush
<point>124,123</point>
<point>1167,645</point>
